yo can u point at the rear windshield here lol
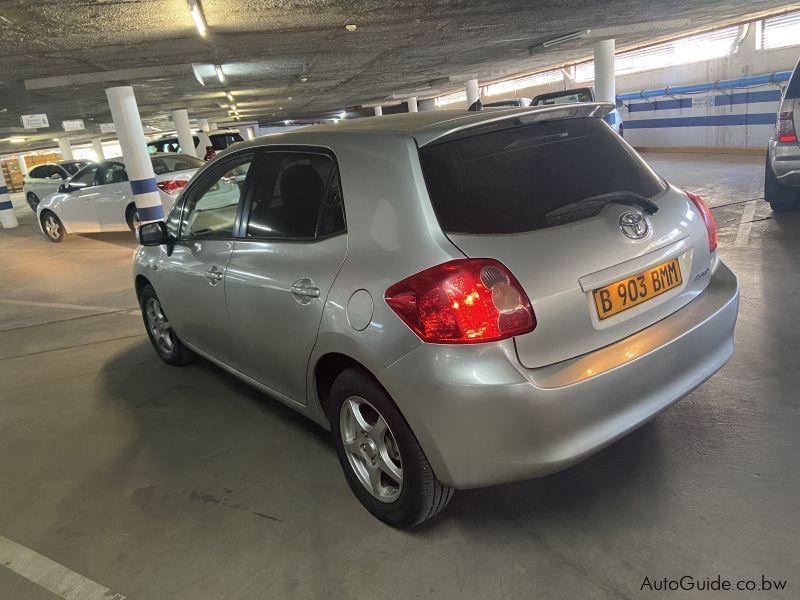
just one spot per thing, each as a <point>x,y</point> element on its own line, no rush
<point>793,89</point>
<point>167,145</point>
<point>513,180</point>
<point>170,164</point>
<point>220,141</point>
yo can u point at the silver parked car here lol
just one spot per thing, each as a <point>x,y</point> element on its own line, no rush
<point>464,299</point>
<point>782,172</point>
<point>99,198</point>
<point>43,180</point>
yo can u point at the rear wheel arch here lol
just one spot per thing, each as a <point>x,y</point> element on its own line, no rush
<point>327,369</point>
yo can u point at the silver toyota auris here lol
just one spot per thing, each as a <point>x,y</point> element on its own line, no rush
<point>463,299</point>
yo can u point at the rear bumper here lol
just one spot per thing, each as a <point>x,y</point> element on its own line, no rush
<point>784,159</point>
<point>482,419</point>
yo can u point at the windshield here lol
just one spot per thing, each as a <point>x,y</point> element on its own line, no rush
<point>177,162</point>
<point>512,180</point>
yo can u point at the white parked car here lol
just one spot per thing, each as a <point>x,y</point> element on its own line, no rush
<point>98,198</point>
<point>43,180</point>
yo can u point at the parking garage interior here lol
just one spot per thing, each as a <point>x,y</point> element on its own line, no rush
<point>126,477</point>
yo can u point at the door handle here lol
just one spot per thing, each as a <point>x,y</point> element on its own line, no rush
<point>308,292</point>
<point>213,275</point>
<point>304,290</point>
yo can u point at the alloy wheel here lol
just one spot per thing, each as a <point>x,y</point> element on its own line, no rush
<point>159,326</point>
<point>52,227</point>
<point>371,449</point>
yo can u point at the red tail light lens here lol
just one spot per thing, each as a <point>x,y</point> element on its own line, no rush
<point>172,187</point>
<point>786,131</point>
<point>708,219</point>
<point>463,302</point>
<point>210,153</point>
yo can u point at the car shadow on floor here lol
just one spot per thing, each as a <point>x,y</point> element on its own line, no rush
<point>206,406</point>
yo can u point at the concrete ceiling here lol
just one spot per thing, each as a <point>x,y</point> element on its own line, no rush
<point>58,56</point>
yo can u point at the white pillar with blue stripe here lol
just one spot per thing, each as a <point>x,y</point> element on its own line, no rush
<point>130,132</point>
<point>7,217</point>
<point>605,86</point>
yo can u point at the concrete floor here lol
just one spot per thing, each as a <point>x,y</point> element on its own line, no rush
<point>160,482</point>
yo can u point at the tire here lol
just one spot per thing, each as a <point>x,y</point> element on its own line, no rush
<point>131,217</point>
<point>33,201</point>
<point>780,198</point>
<point>52,226</point>
<point>418,495</point>
<point>164,339</point>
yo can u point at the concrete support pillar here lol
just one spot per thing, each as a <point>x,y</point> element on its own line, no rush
<point>23,166</point>
<point>246,132</point>
<point>97,146</point>
<point>212,125</point>
<point>378,111</point>
<point>473,92</point>
<point>605,87</point>
<point>427,104</point>
<point>412,104</point>
<point>130,132</point>
<point>7,217</point>
<point>66,149</point>
<point>203,125</point>
<point>180,118</point>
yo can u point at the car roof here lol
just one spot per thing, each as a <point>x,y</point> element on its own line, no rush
<point>425,127</point>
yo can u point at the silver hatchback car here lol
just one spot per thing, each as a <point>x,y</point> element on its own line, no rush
<point>782,171</point>
<point>463,299</point>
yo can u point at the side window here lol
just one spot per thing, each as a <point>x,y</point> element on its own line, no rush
<point>38,172</point>
<point>84,178</point>
<point>113,173</point>
<point>210,208</point>
<point>295,197</point>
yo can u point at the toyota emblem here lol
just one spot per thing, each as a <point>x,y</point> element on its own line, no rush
<point>634,225</point>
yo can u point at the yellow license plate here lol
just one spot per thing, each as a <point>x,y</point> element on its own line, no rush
<point>633,291</point>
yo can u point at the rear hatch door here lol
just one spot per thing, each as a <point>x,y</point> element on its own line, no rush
<point>570,209</point>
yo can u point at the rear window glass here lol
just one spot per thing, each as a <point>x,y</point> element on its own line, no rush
<point>170,164</point>
<point>223,140</point>
<point>793,89</point>
<point>74,167</point>
<point>516,179</point>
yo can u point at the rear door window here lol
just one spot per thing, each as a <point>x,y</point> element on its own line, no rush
<point>296,196</point>
<point>515,179</point>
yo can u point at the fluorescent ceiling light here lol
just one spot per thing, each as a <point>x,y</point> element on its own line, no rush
<point>220,74</point>
<point>198,75</point>
<point>575,35</point>
<point>342,115</point>
<point>233,106</point>
<point>230,96</point>
<point>16,140</point>
<point>197,17</point>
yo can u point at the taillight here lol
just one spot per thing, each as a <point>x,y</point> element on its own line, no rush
<point>463,301</point>
<point>172,187</point>
<point>210,153</point>
<point>786,131</point>
<point>708,219</point>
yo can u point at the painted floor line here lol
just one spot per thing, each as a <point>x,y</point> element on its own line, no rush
<point>746,224</point>
<point>86,307</point>
<point>52,576</point>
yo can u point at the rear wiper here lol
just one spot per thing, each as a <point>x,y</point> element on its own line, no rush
<point>601,200</point>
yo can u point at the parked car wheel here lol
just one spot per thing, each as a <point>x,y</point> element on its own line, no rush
<point>780,198</point>
<point>132,217</point>
<point>52,226</point>
<point>382,460</point>
<point>33,201</point>
<point>164,339</point>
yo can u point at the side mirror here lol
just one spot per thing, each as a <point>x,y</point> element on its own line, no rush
<point>153,234</point>
<point>64,188</point>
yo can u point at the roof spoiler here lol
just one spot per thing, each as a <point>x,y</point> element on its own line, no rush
<point>525,116</point>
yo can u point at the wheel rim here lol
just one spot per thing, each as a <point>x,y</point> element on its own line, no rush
<point>52,227</point>
<point>159,326</point>
<point>371,449</point>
